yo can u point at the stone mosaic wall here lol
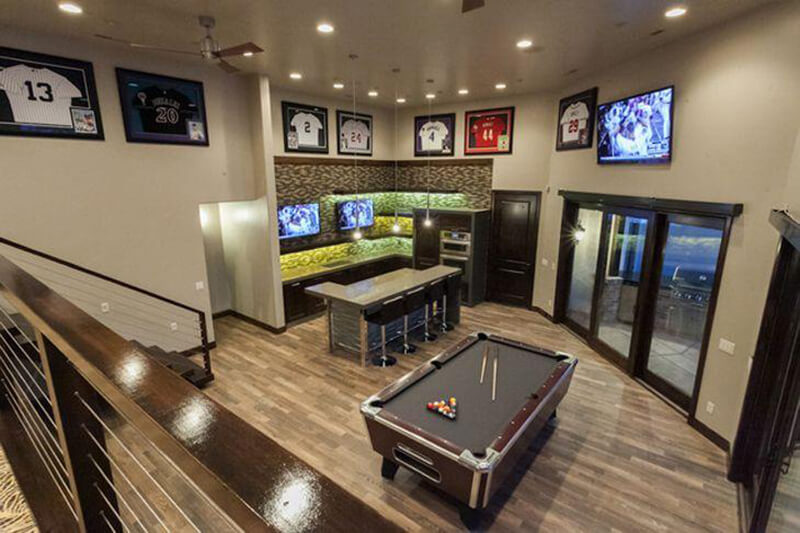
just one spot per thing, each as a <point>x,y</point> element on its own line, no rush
<point>362,248</point>
<point>307,180</point>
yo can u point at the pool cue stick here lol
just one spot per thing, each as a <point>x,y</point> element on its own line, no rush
<point>494,378</point>
<point>485,358</point>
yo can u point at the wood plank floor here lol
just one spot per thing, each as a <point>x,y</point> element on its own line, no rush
<point>617,459</point>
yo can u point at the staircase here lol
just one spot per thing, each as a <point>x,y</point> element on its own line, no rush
<point>178,363</point>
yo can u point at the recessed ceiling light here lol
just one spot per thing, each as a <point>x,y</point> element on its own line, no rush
<point>500,86</point>
<point>325,27</point>
<point>524,43</point>
<point>338,85</point>
<point>401,100</point>
<point>296,76</point>
<point>248,54</point>
<point>71,8</point>
<point>430,96</point>
<point>373,93</point>
<point>463,91</point>
<point>673,12</point>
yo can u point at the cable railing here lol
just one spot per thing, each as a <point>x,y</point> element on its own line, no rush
<point>134,313</point>
<point>115,441</point>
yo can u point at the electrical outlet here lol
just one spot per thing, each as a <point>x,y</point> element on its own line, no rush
<point>550,304</point>
<point>199,285</point>
<point>553,265</point>
<point>726,346</point>
<point>104,307</point>
<point>173,326</point>
<point>545,262</point>
<point>710,408</point>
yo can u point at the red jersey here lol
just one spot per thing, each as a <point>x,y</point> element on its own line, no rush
<point>486,130</point>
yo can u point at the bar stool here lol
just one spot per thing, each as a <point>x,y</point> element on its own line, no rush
<point>433,293</point>
<point>452,285</point>
<point>412,302</point>
<point>385,314</point>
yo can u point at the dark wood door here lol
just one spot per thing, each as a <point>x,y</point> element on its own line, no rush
<point>512,250</point>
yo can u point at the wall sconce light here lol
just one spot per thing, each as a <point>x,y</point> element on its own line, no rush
<point>579,233</point>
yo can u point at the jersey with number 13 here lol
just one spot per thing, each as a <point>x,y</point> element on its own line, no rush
<point>38,95</point>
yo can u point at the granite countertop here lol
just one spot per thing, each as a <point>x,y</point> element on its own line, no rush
<point>306,272</point>
<point>380,288</point>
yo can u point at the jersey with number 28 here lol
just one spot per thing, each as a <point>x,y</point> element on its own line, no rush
<point>38,95</point>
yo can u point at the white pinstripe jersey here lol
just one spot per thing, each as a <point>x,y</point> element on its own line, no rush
<point>38,95</point>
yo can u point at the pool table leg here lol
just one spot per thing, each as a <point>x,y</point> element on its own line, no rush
<point>388,468</point>
<point>553,415</point>
<point>469,517</point>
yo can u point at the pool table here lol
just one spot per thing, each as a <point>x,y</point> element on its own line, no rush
<point>470,456</point>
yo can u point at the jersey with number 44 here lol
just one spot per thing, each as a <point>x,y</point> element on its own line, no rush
<point>38,95</point>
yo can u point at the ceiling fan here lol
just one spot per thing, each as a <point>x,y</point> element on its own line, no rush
<point>209,47</point>
<point>469,5</point>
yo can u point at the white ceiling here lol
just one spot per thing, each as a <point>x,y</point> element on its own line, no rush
<point>425,39</point>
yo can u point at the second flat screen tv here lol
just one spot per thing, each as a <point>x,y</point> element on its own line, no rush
<point>347,212</point>
<point>298,220</point>
<point>637,129</point>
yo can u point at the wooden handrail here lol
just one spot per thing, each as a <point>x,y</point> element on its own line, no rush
<point>96,274</point>
<point>246,474</point>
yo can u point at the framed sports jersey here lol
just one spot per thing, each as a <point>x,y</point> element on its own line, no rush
<point>489,131</point>
<point>354,132</point>
<point>162,109</point>
<point>305,128</point>
<point>575,127</point>
<point>433,135</point>
<point>47,96</point>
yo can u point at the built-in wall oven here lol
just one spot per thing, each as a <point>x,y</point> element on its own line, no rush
<point>455,251</point>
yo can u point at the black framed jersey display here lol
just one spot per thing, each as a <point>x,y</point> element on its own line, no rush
<point>354,131</point>
<point>162,109</point>
<point>576,120</point>
<point>305,128</point>
<point>434,134</point>
<point>47,96</point>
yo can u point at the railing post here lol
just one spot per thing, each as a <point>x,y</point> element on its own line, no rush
<point>66,388</point>
<point>204,339</point>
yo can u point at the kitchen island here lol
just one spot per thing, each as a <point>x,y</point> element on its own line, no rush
<point>348,304</point>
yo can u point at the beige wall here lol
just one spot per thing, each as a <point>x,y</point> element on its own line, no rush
<point>382,122</point>
<point>526,168</point>
<point>736,125</point>
<point>127,210</point>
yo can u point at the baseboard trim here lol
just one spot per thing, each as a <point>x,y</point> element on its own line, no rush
<point>249,320</point>
<point>542,312</point>
<point>710,434</point>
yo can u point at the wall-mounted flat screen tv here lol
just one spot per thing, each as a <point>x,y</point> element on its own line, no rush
<point>637,129</point>
<point>355,213</point>
<point>298,220</point>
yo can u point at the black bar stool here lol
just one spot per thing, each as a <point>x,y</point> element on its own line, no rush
<point>451,286</point>
<point>388,312</point>
<point>413,301</point>
<point>433,293</point>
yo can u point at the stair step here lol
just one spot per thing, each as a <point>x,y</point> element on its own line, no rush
<point>178,363</point>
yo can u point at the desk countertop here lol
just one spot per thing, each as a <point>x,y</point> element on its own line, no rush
<point>380,288</point>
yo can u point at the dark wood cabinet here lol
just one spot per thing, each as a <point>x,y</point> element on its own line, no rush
<point>297,304</point>
<point>426,240</point>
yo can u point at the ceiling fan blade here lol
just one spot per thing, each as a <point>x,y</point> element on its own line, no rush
<point>239,50</point>
<point>227,67</point>
<point>469,5</point>
<point>145,46</point>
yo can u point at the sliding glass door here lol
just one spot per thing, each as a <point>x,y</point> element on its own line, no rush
<point>639,286</point>
<point>686,274</point>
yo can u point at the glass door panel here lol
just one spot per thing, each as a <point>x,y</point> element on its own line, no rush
<point>586,240</point>
<point>688,270</point>
<point>622,275</point>
<point>785,513</point>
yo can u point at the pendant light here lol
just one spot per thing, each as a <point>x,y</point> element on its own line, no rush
<point>357,233</point>
<point>396,226</point>
<point>428,222</point>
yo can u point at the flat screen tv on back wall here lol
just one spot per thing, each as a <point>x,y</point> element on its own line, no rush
<point>637,129</point>
<point>298,220</point>
<point>348,210</point>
